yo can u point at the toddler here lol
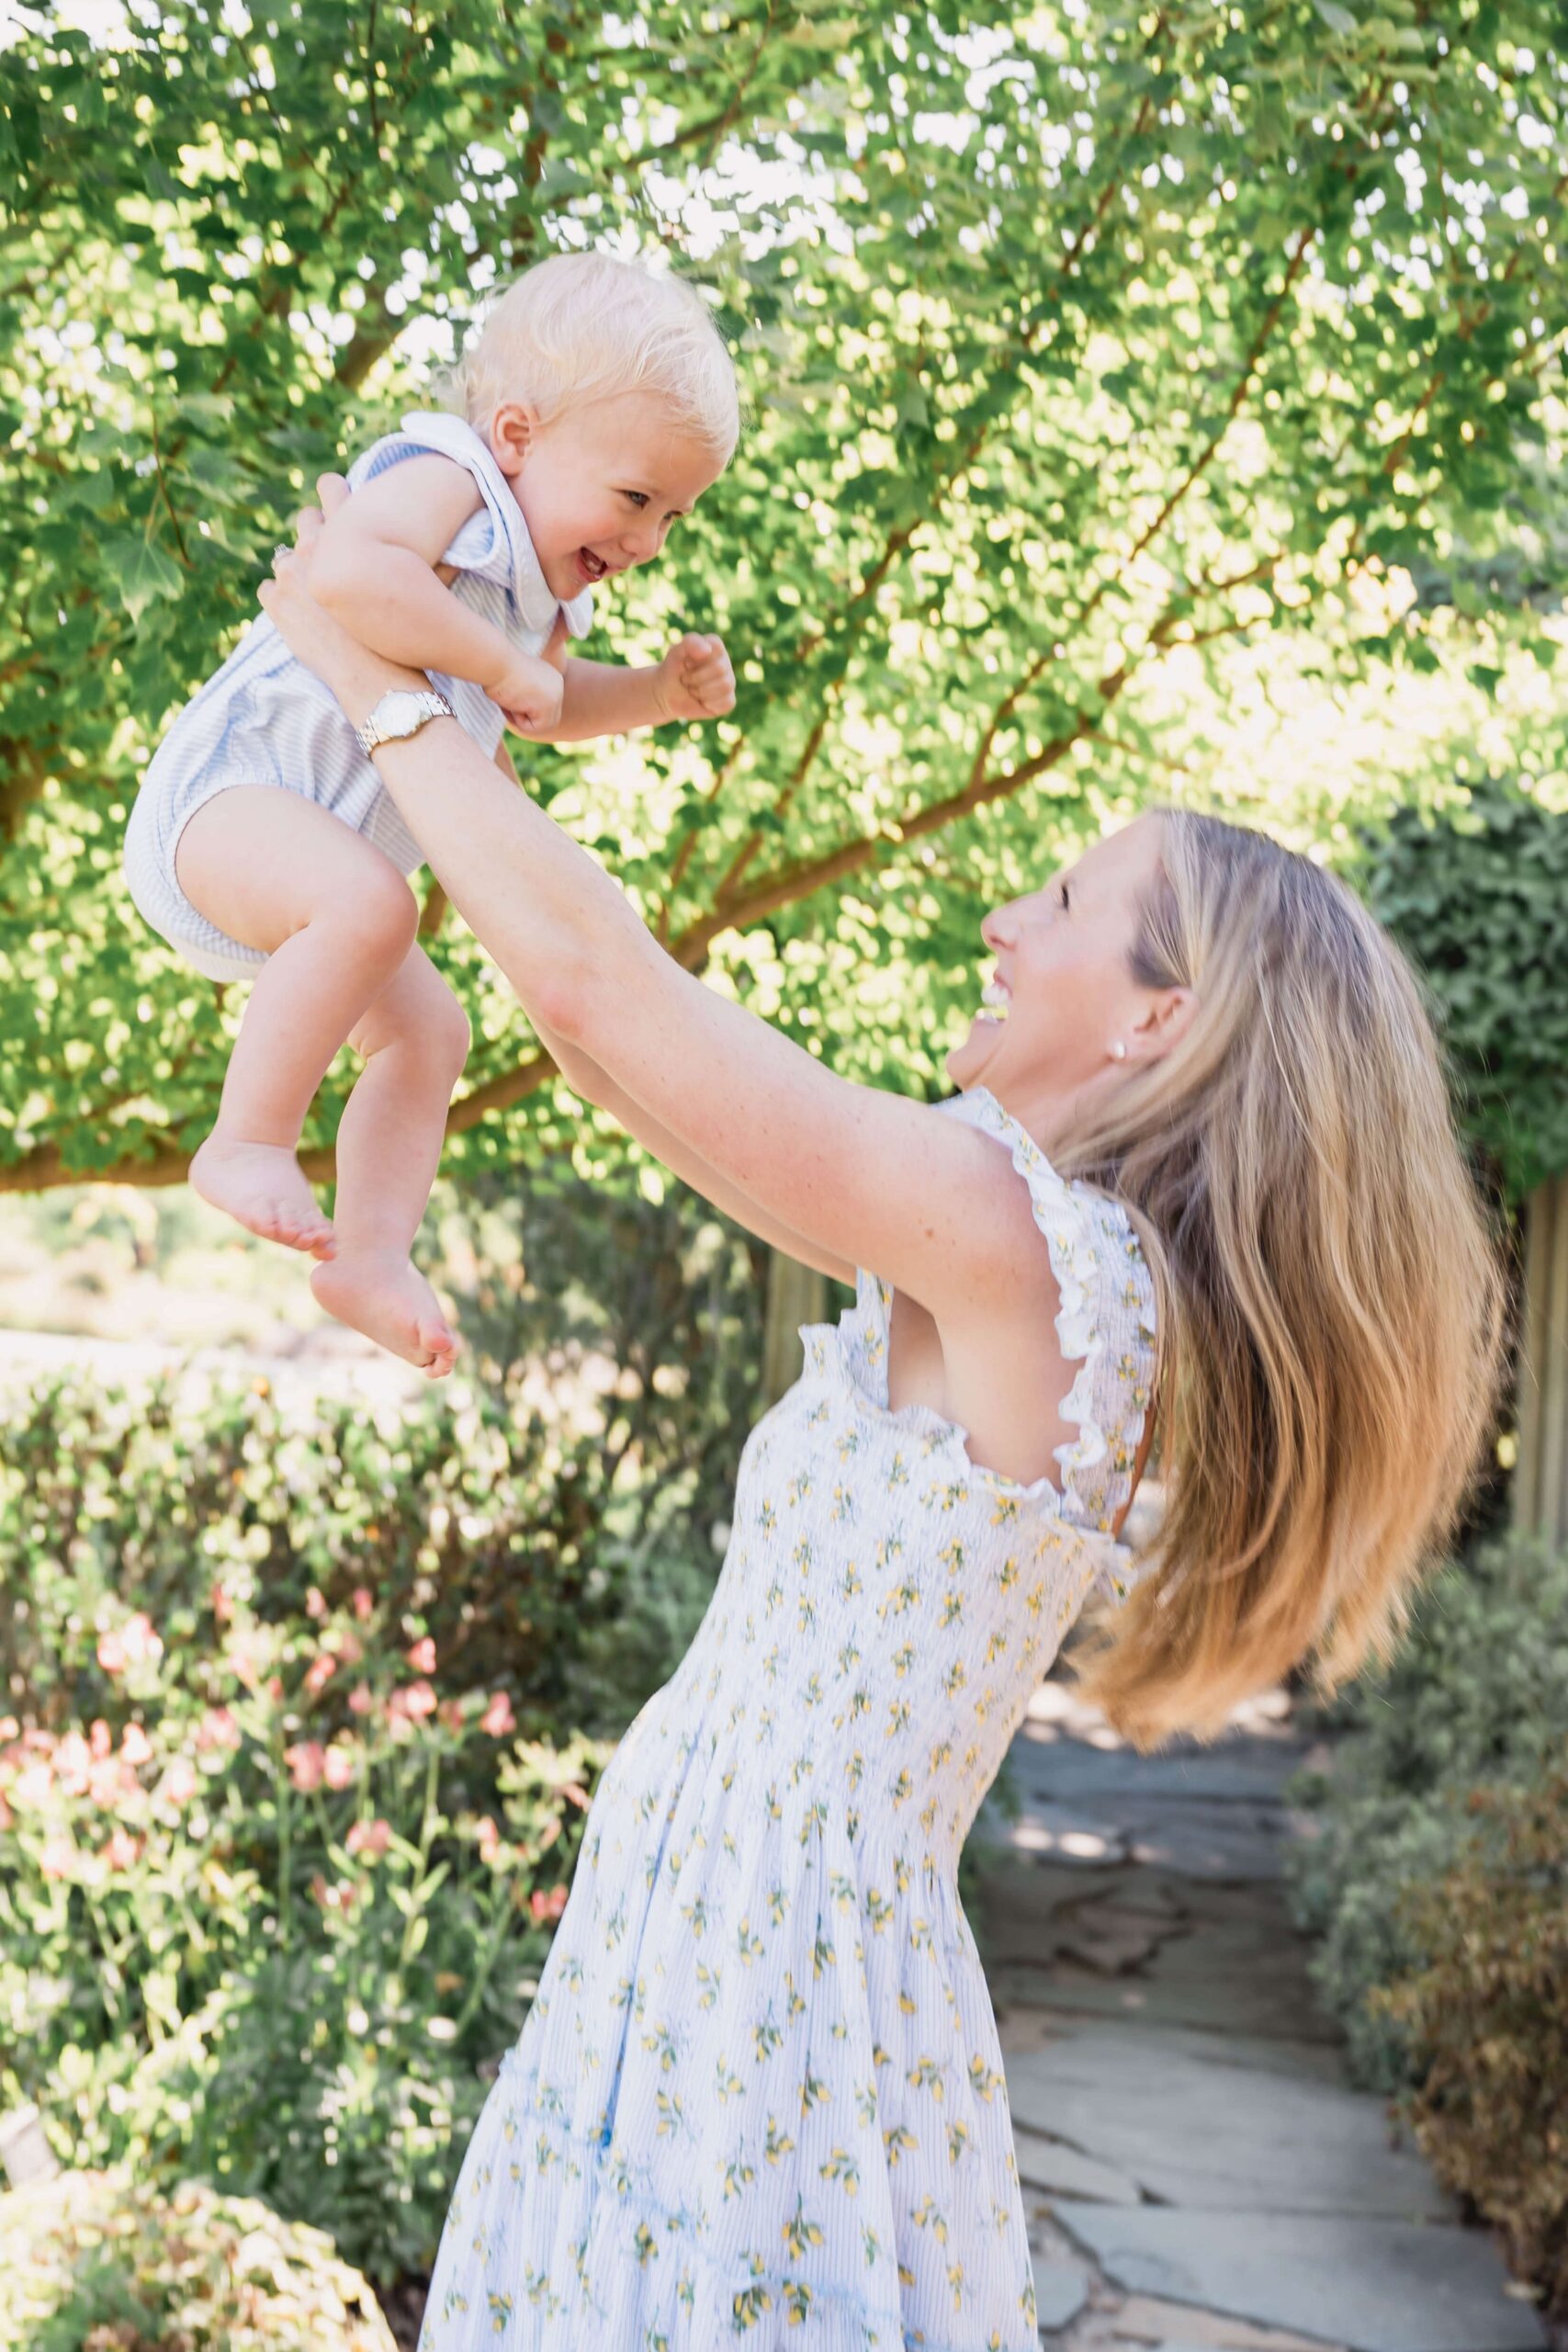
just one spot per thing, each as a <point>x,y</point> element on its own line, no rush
<point>598,404</point>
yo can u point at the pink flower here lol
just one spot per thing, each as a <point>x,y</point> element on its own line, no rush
<point>110,1781</point>
<point>133,1644</point>
<point>421,1657</point>
<point>411,1704</point>
<point>359,1700</point>
<point>9,1727</point>
<point>315,1603</point>
<point>72,1762</point>
<point>34,1785</point>
<point>101,1737</point>
<point>178,1784</point>
<point>350,1648</point>
<point>58,1858</point>
<point>339,1896</point>
<point>216,1728</point>
<point>498,1718</point>
<point>307,1764</point>
<point>372,1838</point>
<point>363,1604</point>
<point>490,1840</point>
<point>222,1607</point>
<point>547,1906</point>
<point>121,1850</point>
<point>321,1672</point>
<point>247,1654</point>
<point>339,1767</point>
<point>135,1747</point>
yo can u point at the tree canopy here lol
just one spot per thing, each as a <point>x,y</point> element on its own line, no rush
<point>1080,344</point>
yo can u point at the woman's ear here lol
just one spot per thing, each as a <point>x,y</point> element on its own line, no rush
<point>1166,1020</point>
<point>513,429</point>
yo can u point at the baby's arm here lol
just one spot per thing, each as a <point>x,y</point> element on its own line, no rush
<point>694,681</point>
<point>376,571</point>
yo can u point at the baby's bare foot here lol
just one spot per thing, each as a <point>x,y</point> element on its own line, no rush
<point>265,1187</point>
<point>380,1294</point>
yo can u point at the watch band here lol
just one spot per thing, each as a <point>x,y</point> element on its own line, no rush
<point>401,712</point>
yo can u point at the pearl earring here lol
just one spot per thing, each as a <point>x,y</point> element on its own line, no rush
<point>1118,1050</point>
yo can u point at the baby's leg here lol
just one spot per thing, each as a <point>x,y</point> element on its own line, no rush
<point>414,1039</point>
<point>336,920</point>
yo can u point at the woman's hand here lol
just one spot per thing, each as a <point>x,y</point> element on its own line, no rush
<point>355,675</point>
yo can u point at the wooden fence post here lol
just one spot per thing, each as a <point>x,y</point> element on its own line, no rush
<point>1540,1473</point>
<point>796,1295</point>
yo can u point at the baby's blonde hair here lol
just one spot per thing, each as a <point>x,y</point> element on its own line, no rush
<point>582,327</point>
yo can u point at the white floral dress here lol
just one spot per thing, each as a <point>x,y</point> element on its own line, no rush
<point>759,2094</point>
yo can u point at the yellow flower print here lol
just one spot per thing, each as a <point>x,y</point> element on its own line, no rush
<point>897,2140</point>
<point>738,2176</point>
<point>813,2091</point>
<point>842,2168</point>
<point>749,2306</point>
<point>777,2143</point>
<point>982,2081</point>
<point>925,2075</point>
<point>726,2083</point>
<point>800,2232</point>
<point>662,2040</point>
<point>927,2215</point>
<point>766,2036</point>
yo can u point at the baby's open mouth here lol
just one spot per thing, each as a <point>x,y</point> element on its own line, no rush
<point>594,566</point>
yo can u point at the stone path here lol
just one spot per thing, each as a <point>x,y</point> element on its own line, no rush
<point>1200,2177</point>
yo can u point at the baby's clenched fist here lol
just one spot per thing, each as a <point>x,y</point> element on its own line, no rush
<point>696,679</point>
<point>530,692</point>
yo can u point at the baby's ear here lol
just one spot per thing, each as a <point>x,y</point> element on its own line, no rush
<point>513,429</point>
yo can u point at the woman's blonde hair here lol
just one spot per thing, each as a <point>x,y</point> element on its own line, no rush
<point>1331,1302</point>
<point>587,326</point>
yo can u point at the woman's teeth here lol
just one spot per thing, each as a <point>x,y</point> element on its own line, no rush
<point>996,996</point>
<point>595,565</point>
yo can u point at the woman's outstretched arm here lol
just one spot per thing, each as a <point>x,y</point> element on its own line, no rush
<point>866,1178</point>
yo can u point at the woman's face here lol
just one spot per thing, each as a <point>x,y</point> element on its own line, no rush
<point>1064,992</point>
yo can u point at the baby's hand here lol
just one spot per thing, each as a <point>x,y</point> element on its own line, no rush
<point>529,692</point>
<point>696,679</point>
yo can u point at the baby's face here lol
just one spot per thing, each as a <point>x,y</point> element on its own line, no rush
<point>600,486</point>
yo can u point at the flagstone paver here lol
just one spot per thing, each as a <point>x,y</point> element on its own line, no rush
<point>1199,2172</point>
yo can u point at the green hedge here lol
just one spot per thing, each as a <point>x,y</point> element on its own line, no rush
<point>96,2260</point>
<point>298,1721</point>
<point>1476,1698</point>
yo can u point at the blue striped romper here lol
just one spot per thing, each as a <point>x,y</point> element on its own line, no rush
<point>264,718</point>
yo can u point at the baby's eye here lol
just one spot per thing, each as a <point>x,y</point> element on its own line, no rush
<point>638,497</point>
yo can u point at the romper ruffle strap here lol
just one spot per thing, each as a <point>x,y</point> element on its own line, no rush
<point>493,544</point>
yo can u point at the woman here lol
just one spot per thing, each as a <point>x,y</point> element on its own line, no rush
<point>760,2087</point>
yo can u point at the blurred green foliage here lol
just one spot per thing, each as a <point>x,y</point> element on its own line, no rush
<point>98,2262</point>
<point>1479,896</point>
<point>1082,348</point>
<point>1476,1699</point>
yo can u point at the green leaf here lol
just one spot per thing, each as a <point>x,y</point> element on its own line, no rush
<point>142,573</point>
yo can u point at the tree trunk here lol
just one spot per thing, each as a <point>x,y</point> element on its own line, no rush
<point>1540,1473</point>
<point>796,1295</point>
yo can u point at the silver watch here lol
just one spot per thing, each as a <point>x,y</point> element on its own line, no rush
<point>401,712</point>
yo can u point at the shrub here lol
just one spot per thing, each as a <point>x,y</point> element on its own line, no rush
<point>91,2263</point>
<point>1485,2020</point>
<point>1477,1697</point>
<point>286,1819</point>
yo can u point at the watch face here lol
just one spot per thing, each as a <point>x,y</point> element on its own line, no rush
<point>400,712</point>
